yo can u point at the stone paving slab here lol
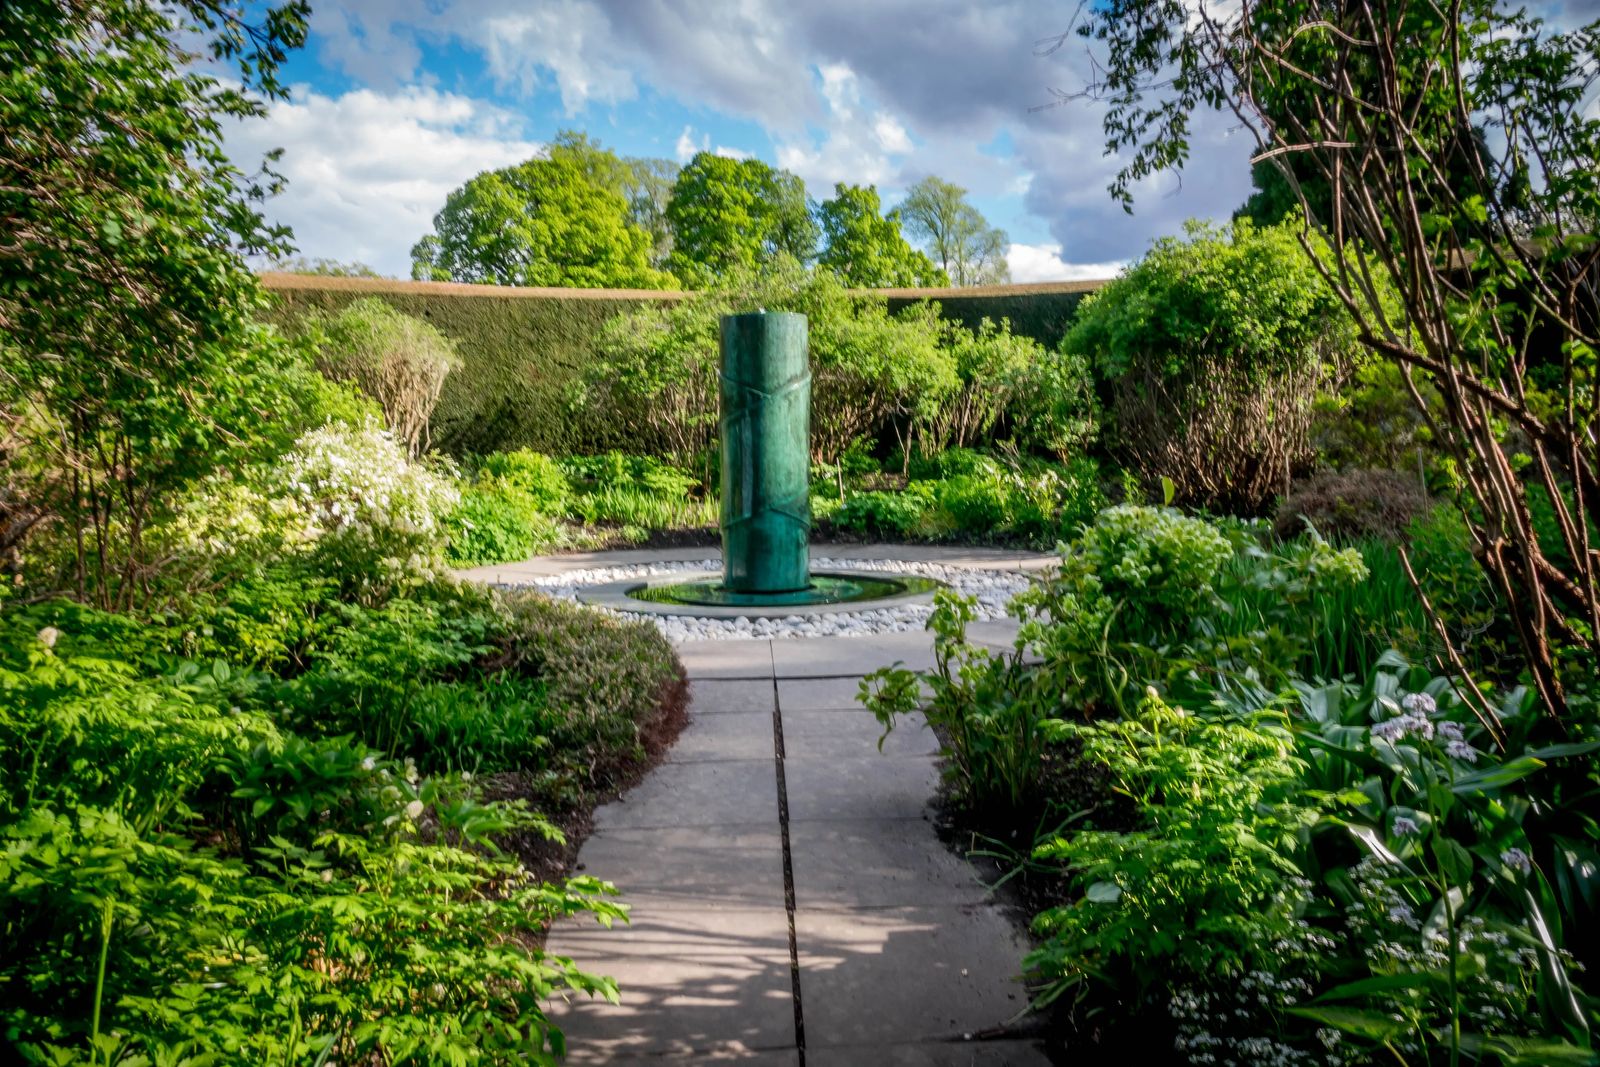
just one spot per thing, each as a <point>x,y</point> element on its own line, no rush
<point>933,1054</point>
<point>726,659</point>
<point>700,984</point>
<point>819,694</point>
<point>728,735</point>
<point>710,696</point>
<point>875,863</point>
<point>691,866</point>
<point>883,976</point>
<point>837,656</point>
<point>863,787</point>
<point>697,794</point>
<point>846,734</point>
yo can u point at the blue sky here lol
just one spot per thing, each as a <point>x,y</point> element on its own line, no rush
<point>396,102</point>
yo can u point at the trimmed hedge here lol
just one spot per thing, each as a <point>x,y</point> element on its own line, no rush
<point>1042,310</point>
<point>522,349</point>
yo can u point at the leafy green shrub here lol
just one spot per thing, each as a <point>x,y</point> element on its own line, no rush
<point>1054,410</point>
<point>615,470</point>
<point>497,525</point>
<point>183,882</point>
<point>991,364</point>
<point>1145,571</point>
<point>532,475</point>
<point>1350,505</point>
<point>1211,350</point>
<point>880,514</point>
<point>399,361</point>
<point>1205,883</point>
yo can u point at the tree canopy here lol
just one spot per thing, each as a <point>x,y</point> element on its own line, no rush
<point>1489,241</point>
<point>732,214</point>
<point>958,237</point>
<point>866,248</point>
<point>129,363</point>
<point>555,221</point>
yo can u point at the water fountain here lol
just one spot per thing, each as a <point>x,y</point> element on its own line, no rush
<point>766,497</point>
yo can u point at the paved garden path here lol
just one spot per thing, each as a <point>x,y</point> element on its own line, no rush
<point>791,901</point>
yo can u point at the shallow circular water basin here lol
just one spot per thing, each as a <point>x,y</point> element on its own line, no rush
<point>699,594</point>
<point>824,589</point>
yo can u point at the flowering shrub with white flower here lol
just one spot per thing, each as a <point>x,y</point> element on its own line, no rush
<point>362,504</point>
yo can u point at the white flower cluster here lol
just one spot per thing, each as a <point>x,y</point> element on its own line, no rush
<point>1416,721</point>
<point>350,481</point>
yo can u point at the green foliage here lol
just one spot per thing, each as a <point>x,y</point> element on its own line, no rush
<point>1205,882</point>
<point>993,366</point>
<point>658,369</point>
<point>964,494</point>
<point>545,222</point>
<point>994,727</point>
<point>185,882</point>
<point>1211,348</point>
<point>496,525</point>
<point>399,361</point>
<point>882,514</point>
<point>865,248</point>
<point>958,237</point>
<point>1053,408</point>
<point>131,364</point>
<point>523,357</point>
<point>736,215</point>
<point>530,474</point>
<point>644,184</point>
<point>509,510</point>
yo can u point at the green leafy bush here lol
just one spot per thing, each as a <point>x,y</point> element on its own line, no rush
<point>1210,350</point>
<point>532,475</point>
<point>492,524</point>
<point>399,361</point>
<point>184,882</point>
<point>882,514</point>
<point>1206,881</point>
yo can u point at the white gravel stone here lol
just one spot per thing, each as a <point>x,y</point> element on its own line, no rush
<point>993,588</point>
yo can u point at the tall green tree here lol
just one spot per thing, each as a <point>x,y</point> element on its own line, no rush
<point>129,364</point>
<point>957,235</point>
<point>644,183</point>
<point>866,248</point>
<point>730,214</point>
<point>557,221</point>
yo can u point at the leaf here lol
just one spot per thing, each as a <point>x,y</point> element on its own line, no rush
<point>1104,893</point>
<point>1496,777</point>
<point>1371,1024</point>
<point>1385,983</point>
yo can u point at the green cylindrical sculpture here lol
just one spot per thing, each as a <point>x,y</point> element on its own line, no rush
<point>766,453</point>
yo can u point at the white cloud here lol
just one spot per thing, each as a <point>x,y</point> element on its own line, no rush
<point>687,146</point>
<point>728,152</point>
<point>367,171</point>
<point>1043,263</point>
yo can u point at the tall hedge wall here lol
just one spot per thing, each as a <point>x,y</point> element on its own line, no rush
<point>523,349</point>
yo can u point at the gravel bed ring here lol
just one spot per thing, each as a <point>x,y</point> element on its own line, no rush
<point>606,589</point>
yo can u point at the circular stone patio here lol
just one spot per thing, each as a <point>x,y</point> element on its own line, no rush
<point>602,579</point>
